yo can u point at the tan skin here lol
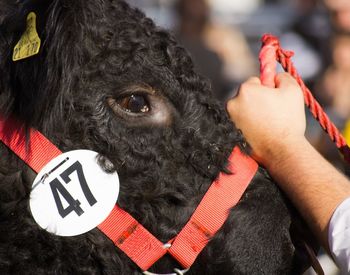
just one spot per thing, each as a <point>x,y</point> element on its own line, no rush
<point>273,121</point>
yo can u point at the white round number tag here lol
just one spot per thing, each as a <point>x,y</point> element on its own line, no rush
<point>72,194</point>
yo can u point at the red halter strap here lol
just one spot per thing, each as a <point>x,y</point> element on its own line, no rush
<point>225,192</point>
<point>37,153</point>
<point>128,234</point>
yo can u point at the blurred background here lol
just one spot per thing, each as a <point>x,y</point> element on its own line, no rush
<point>223,38</point>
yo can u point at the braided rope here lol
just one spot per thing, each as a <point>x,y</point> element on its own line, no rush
<point>270,53</point>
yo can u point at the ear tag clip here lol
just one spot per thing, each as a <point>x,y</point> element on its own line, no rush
<point>29,44</point>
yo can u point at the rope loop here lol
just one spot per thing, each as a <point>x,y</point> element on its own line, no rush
<point>270,53</point>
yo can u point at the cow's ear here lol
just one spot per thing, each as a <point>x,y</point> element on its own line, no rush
<point>13,13</point>
<point>18,20</point>
<point>27,29</point>
<point>11,18</point>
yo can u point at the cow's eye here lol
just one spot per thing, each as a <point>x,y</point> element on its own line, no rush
<point>135,103</point>
<point>141,106</point>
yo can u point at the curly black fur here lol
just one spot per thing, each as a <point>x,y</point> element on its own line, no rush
<point>96,50</point>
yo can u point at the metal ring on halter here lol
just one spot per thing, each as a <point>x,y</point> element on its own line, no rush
<point>177,272</point>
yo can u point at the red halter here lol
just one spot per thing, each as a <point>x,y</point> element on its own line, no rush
<point>129,235</point>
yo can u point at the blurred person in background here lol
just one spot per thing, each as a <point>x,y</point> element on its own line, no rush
<point>336,80</point>
<point>193,19</point>
<point>220,53</point>
<point>333,88</point>
<point>312,17</point>
<point>231,45</point>
<point>340,14</point>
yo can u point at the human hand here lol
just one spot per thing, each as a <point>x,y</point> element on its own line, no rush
<point>270,119</point>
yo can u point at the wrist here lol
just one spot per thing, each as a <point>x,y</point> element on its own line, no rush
<point>314,186</point>
<point>279,152</point>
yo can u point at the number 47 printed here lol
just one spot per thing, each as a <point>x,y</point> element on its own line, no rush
<point>58,191</point>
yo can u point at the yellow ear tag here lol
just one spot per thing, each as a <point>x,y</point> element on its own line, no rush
<point>29,44</point>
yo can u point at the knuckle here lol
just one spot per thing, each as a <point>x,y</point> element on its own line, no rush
<point>244,86</point>
<point>230,105</point>
<point>252,79</point>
